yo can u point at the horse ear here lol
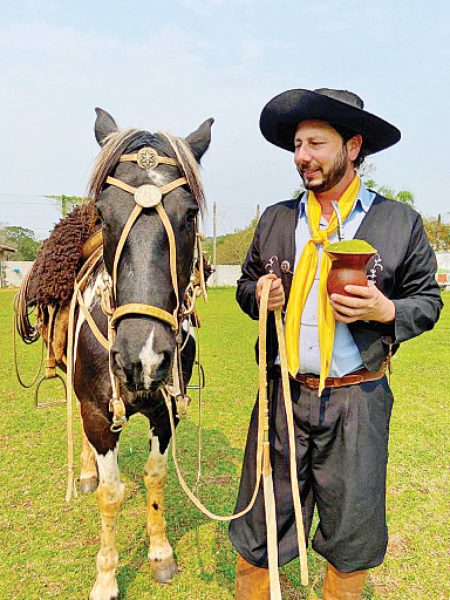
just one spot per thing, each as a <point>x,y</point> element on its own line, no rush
<point>104,125</point>
<point>200,139</point>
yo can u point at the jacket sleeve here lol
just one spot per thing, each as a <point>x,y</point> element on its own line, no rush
<point>418,302</point>
<point>252,270</point>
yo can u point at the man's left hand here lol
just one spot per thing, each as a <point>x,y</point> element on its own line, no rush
<point>365,304</point>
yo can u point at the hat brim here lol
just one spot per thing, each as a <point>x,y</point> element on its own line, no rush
<point>281,116</point>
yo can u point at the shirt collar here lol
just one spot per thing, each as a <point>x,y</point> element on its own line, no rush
<point>363,201</point>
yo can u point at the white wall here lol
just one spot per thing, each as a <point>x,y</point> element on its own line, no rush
<point>225,275</point>
<point>13,271</point>
<point>443,260</point>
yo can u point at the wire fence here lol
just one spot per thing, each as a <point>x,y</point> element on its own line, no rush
<point>40,213</point>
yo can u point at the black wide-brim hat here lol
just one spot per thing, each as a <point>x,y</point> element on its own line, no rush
<point>281,116</point>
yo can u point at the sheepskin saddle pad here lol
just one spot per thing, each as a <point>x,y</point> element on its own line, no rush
<point>51,281</point>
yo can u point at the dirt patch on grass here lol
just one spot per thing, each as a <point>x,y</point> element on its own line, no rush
<point>383,582</point>
<point>397,546</point>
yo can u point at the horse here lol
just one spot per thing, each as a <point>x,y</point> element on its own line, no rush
<point>148,196</point>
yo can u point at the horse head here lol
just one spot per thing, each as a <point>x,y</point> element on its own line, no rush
<point>140,170</point>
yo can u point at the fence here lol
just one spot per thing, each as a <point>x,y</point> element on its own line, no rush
<point>13,271</point>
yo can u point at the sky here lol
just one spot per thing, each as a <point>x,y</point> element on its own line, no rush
<point>170,65</point>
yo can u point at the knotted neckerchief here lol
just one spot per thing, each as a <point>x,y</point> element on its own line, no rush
<point>303,280</point>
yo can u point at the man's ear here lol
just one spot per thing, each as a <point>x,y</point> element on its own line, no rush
<point>104,125</point>
<point>354,146</point>
<point>200,139</point>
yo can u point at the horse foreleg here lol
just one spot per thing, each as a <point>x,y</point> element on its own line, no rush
<point>160,552</point>
<point>109,494</point>
<point>88,476</point>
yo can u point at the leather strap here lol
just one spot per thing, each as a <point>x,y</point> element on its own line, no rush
<point>158,159</point>
<point>91,244</point>
<point>164,189</point>
<point>144,309</point>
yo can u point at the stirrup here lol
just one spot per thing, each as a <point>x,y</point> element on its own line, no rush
<point>38,404</point>
<point>201,384</point>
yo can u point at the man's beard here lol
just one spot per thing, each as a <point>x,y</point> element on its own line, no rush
<point>335,173</point>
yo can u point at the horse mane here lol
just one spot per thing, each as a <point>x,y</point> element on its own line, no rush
<point>188,166</point>
<point>130,140</point>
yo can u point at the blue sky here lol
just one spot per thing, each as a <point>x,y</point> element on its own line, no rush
<point>170,65</point>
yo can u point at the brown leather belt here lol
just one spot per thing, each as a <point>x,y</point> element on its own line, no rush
<point>354,378</point>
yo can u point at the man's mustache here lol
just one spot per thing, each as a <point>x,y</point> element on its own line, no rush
<point>302,168</point>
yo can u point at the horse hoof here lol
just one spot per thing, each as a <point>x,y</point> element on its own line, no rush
<point>88,485</point>
<point>164,570</point>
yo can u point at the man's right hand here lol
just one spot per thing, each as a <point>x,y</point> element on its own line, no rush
<point>276,294</point>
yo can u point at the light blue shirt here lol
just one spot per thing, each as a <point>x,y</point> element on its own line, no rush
<point>346,357</point>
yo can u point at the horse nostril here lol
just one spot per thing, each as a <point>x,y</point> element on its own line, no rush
<point>136,373</point>
<point>117,359</point>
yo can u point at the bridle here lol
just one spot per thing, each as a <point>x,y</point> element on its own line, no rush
<point>145,196</point>
<point>149,196</point>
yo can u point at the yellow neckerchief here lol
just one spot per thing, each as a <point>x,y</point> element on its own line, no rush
<point>303,280</point>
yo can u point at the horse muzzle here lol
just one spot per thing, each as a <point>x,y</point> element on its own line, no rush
<point>142,354</point>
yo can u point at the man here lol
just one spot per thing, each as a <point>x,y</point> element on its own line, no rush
<point>338,347</point>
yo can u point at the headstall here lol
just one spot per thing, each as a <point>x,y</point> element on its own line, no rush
<point>145,196</point>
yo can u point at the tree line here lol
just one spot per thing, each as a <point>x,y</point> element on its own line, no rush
<point>232,247</point>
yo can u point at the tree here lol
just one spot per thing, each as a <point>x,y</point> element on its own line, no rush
<point>403,196</point>
<point>68,203</point>
<point>22,239</point>
<point>232,248</point>
<point>438,232</point>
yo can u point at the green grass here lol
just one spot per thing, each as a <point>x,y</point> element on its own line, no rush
<point>48,548</point>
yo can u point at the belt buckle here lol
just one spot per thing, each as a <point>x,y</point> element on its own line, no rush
<point>312,382</point>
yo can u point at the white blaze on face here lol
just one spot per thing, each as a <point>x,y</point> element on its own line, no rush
<point>150,360</point>
<point>158,177</point>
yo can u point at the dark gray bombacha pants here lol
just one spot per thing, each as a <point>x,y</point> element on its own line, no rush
<point>342,450</point>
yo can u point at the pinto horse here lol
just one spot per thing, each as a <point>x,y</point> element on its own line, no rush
<point>144,347</point>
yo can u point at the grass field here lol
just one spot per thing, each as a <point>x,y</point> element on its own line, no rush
<point>48,548</point>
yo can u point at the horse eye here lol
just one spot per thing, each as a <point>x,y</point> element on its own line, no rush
<point>191,215</point>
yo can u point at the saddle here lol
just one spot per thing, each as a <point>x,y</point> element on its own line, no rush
<point>55,316</point>
<point>50,283</point>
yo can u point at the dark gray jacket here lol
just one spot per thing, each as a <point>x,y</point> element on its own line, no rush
<point>406,273</point>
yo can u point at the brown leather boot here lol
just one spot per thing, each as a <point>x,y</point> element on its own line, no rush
<point>252,583</point>
<point>343,586</point>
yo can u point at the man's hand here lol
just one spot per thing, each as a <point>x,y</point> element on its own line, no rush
<point>365,304</point>
<point>276,293</point>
